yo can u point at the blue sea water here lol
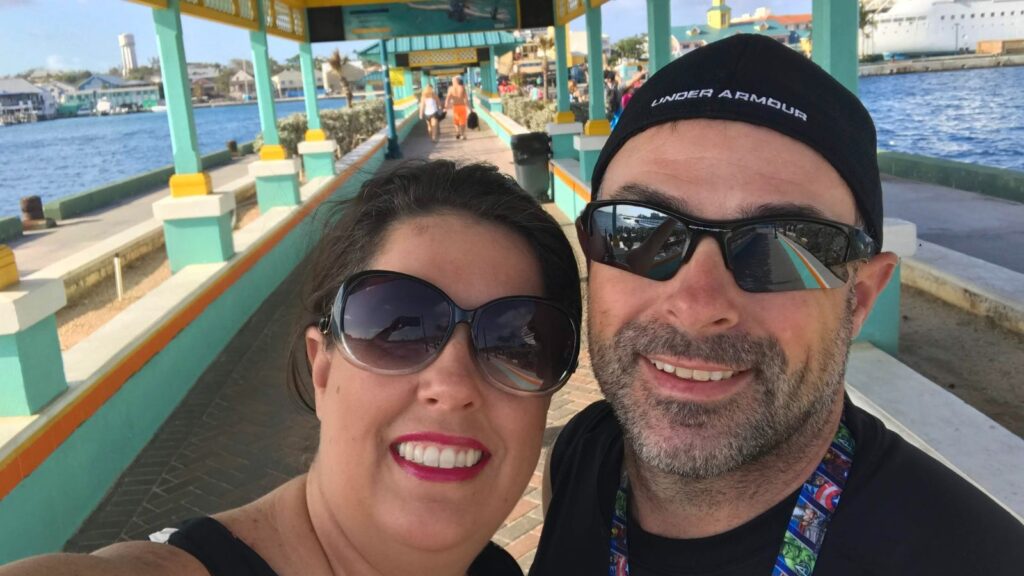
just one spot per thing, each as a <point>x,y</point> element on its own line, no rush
<point>60,158</point>
<point>969,115</point>
<point>972,116</point>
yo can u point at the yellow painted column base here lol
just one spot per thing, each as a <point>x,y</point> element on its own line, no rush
<point>564,117</point>
<point>311,136</point>
<point>8,267</point>
<point>273,152</point>
<point>196,184</point>
<point>597,128</point>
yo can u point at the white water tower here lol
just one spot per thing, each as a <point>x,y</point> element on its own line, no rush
<point>128,61</point>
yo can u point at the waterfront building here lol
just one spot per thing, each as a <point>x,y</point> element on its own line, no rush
<point>115,92</point>
<point>241,85</point>
<point>288,83</point>
<point>791,30</point>
<point>128,60</point>
<point>22,101</point>
<point>204,89</point>
<point>199,71</point>
<point>331,80</point>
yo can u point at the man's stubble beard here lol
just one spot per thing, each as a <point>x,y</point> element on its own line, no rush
<point>702,441</point>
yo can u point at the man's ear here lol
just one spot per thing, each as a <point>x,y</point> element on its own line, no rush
<point>318,354</point>
<point>871,278</point>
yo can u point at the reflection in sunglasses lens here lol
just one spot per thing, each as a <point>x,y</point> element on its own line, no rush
<point>776,256</point>
<point>524,345</point>
<point>394,324</point>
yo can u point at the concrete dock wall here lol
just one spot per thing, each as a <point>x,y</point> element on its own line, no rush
<point>998,182</point>
<point>103,196</point>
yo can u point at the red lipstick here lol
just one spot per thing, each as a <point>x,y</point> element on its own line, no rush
<point>440,441</point>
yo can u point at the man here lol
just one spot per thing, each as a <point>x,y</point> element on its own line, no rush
<point>747,178</point>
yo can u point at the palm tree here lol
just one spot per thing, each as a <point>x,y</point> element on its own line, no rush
<point>337,62</point>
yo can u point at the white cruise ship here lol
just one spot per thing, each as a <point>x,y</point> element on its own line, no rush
<point>913,27</point>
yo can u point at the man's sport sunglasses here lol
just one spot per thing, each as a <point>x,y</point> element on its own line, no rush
<point>393,323</point>
<point>769,254</point>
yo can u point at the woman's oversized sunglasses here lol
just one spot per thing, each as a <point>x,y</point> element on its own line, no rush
<point>770,254</point>
<point>393,323</point>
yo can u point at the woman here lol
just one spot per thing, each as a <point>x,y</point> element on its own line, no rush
<point>458,102</point>
<point>430,107</point>
<point>441,312</point>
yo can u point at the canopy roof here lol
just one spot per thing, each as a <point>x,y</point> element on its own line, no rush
<point>502,42</point>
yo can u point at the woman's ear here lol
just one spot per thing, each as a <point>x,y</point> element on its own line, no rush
<point>319,356</point>
<point>872,277</point>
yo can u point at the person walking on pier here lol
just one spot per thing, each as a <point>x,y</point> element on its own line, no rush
<point>431,111</point>
<point>441,312</point>
<point>457,101</point>
<point>719,336</point>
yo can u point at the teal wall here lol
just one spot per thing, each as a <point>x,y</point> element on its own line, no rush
<point>998,182</point>
<point>50,505</point>
<point>566,199</point>
<point>108,194</point>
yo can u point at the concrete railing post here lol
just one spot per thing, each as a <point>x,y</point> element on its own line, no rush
<point>277,177</point>
<point>30,357</point>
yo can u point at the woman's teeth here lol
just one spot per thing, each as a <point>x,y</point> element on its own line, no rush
<point>687,374</point>
<point>436,456</point>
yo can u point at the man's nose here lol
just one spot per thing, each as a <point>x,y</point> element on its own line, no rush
<point>703,297</point>
<point>453,381</point>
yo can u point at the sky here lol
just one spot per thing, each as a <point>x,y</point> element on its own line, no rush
<point>82,34</point>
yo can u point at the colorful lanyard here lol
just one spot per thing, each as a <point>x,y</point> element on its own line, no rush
<point>815,504</point>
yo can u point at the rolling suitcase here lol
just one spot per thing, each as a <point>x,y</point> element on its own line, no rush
<point>473,121</point>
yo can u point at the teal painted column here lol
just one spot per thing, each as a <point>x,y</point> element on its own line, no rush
<point>277,176</point>
<point>30,357</point>
<point>177,89</point>
<point>598,123</point>
<point>316,149</point>
<point>836,25</point>
<point>564,128</point>
<point>409,80</point>
<point>264,88</point>
<point>492,72</point>
<point>597,128</point>
<point>197,222</point>
<point>394,148</point>
<point>659,18</point>
<point>309,86</point>
<point>564,110</point>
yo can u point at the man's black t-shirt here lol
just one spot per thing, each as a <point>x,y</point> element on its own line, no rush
<point>902,512</point>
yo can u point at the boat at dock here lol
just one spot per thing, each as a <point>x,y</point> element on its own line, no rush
<point>906,28</point>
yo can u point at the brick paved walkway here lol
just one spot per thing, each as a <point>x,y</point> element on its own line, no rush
<point>239,433</point>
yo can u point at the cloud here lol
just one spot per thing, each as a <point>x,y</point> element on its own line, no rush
<point>58,62</point>
<point>13,3</point>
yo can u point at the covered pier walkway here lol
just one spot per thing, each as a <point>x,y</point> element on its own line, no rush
<point>239,433</point>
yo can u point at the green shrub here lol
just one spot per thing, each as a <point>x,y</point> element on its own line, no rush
<point>535,114</point>
<point>349,127</point>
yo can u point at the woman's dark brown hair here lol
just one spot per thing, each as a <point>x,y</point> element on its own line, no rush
<point>354,231</point>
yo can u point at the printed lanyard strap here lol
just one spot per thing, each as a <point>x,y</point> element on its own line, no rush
<point>805,532</point>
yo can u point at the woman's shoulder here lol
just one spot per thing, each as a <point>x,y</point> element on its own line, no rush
<point>121,559</point>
